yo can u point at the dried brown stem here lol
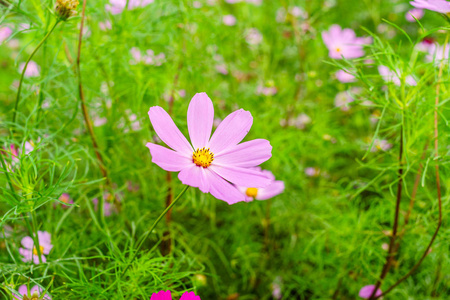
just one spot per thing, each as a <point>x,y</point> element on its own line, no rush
<point>392,246</point>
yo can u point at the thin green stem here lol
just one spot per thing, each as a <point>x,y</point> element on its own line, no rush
<point>36,237</point>
<point>8,178</point>
<point>154,225</point>
<point>25,68</point>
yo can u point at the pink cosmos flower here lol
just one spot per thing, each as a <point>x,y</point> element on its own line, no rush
<point>166,295</point>
<point>30,253</point>
<point>229,20</point>
<point>391,76</point>
<point>275,188</point>
<point>416,12</point>
<point>266,90</point>
<point>253,36</point>
<point>312,172</point>
<point>66,199</point>
<point>116,7</point>
<point>33,70</point>
<point>344,76</point>
<point>367,291</point>
<point>382,145</point>
<point>108,207</point>
<point>5,32</point>
<point>342,100</point>
<point>344,43</point>
<point>104,26</point>
<point>437,53</point>
<point>211,163</point>
<point>440,6</point>
<point>222,69</point>
<point>34,291</point>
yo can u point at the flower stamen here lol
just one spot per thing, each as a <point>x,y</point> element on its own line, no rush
<point>203,157</point>
<point>251,192</point>
<point>35,250</point>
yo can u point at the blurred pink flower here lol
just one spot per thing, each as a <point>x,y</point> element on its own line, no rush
<point>35,290</point>
<point>437,54</point>
<point>416,12</point>
<point>33,70</point>
<point>382,145</point>
<point>391,76</point>
<point>5,32</point>
<point>108,207</point>
<point>29,252</point>
<point>66,199</point>
<point>276,288</point>
<point>342,100</point>
<point>266,90</point>
<point>344,76</point>
<point>274,188</point>
<point>212,163</point>
<point>367,291</point>
<point>343,43</point>
<point>104,26</point>
<point>229,20</point>
<point>440,6</point>
<point>253,36</point>
<point>117,6</point>
<point>312,172</point>
<point>222,69</point>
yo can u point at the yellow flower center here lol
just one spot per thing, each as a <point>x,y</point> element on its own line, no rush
<point>251,192</point>
<point>203,157</point>
<point>338,49</point>
<point>35,250</point>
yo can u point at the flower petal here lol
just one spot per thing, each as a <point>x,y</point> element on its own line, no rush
<point>167,131</point>
<point>200,117</point>
<point>231,131</point>
<point>167,159</point>
<point>161,295</point>
<point>247,154</point>
<point>274,189</point>
<point>223,190</point>
<point>27,242</point>
<point>195,176</point>
<point>189,296</point>
<point>242,176</point>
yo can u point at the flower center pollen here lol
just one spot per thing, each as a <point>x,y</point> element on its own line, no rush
<point>35,250</point>
<point>338,49</point>
<point>252,192</point>
<point>203,157</point>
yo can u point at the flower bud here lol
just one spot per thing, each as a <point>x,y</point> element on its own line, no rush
<point>66,8</point>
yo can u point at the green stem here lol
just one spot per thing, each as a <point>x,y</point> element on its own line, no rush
<point>36,237</point>
<point>154,225</point>
<point>25,68</point>
<point>8,178</point>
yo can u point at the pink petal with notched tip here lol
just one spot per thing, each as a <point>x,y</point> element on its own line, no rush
<point>167,159</point>
<point>272,190</point>
<point>241,176</point>
<point>161,295</point>
<point>168,132</point>
<point>223,190</point>
<point>196,176</point>
<point>189,296</point>
<point>247,154</point>
<point>231,131</point>
<point>200,118</point>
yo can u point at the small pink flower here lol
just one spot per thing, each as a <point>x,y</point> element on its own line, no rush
<point>222,69</point>
<point>343,43</point>
<point>108,207</point>
<point>437,54</point>
<point>36,290</point>
<point>166,295</point>
<point>104,26</point>
<point>33,70</point>
<point>344,76</point>
<point>342,100</point>
<point>211,163</point>
<point>253,36</point>
<point>66,199</point>
<point>312,172</point>
<point>229,20</point>
<point>266,91</point>
<point>382,145</point>
<point>117,6</point>
<point>440,6</point>
<point>367,291</point>
<point>274,188</point>
<point>416,13</point>
<point>29,252</point>
<point>391,76</point>
<point>5,32</point>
